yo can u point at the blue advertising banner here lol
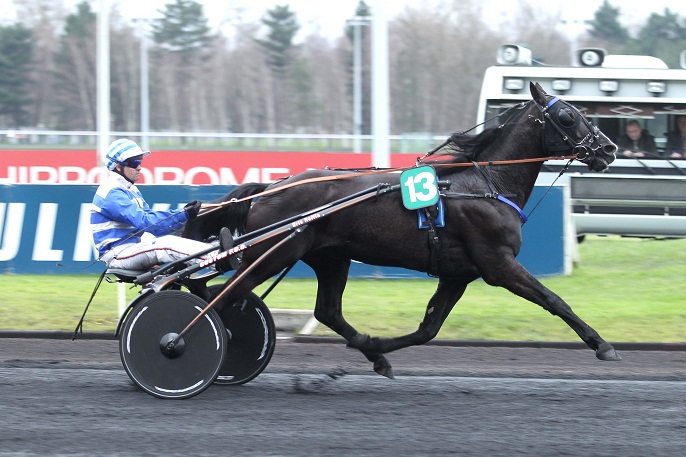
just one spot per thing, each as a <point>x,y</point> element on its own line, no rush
<point>44,229</point>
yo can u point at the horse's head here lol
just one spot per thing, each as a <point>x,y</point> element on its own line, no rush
<point>567,130</point>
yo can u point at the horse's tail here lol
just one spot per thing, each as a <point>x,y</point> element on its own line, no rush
<point>231,215</point>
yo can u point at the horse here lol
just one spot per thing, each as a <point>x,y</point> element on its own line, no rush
<point>492,175</point>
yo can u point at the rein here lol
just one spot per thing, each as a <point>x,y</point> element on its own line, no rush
<point>212,207</point>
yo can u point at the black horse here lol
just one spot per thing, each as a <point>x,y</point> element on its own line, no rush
<point>481,237</point>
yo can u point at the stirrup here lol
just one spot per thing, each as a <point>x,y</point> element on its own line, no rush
<point>226,243</point>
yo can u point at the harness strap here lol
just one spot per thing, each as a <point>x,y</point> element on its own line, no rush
<point>463,195</point>
<point>498,196</point>
<point>434,241</point>
<point>502,197</point>
<point>522,216</point>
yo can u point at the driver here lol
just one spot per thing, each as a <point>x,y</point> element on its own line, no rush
<point>126,232</point>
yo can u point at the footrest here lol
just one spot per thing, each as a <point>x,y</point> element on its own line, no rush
<point>125,275</point>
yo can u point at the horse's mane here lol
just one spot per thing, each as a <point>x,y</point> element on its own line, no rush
<point>467,147</point>
<point>464,147</point>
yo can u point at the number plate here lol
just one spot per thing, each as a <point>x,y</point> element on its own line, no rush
<point>419,187</point>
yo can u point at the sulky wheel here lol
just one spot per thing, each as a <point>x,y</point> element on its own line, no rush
<point>168,370</point>
<point>252,337</point>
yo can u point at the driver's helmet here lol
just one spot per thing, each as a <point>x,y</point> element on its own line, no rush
<point>121,150</point>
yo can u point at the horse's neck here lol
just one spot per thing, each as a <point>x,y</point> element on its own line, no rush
<point>517,178</point>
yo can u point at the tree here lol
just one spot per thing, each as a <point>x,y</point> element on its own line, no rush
<point>662,36</point>
<point>184,38</point>
<point>15,61</point>
<point>44,18</point>
<point>124,75</point>
<point>283,26</point>
<point>437,59</point>
<point>182,28</point>
<point>606,28</point>
<point>279,53</point>
<point>75,66</point>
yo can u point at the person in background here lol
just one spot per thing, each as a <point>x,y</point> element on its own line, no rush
<point>120,217</point>
<point>674,149</point>
<point>637,142</point>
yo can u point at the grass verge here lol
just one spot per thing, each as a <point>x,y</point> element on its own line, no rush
<point>628,289</point>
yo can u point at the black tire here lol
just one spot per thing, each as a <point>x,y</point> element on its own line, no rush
<point>252,338</point>
<point>177,372</point>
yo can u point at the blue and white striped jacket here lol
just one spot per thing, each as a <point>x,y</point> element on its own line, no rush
<point>119,210</point>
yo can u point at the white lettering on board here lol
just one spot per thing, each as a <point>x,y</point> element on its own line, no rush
<point>147,176</point>
<point>252,175</point>
<point>84,248</point>
<point>168,175</point>
<point>156,175</point>
<point>268,172</point>
<point>226,176</point>
<point>195,171</point>
<point>43,175</point>
<point>10,229</point>
<point>71,175</point>
<point>45,233</point>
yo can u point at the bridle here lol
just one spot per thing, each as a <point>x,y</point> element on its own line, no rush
<point>564,120</point>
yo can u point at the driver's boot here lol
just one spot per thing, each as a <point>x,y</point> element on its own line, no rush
<point>226,243</point>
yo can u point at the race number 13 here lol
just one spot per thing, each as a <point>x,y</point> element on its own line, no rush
<point>419,187</point>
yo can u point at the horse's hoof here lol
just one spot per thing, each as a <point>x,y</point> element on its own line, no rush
<point>607,352</point>
<point>384,368</point>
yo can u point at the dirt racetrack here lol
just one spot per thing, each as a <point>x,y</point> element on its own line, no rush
<point>62,397</point>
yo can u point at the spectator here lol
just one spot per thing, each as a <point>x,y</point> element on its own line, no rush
<point>636,142</point>
<point>676,140</point>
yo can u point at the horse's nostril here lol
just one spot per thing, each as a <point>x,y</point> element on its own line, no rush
<point>610,148</point>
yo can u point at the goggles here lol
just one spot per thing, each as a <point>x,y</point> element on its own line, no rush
<point>132,163</point>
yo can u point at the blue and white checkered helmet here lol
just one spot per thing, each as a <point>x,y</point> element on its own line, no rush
<point>120,151</point>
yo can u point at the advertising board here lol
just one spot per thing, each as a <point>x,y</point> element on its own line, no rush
<point>44,229</point>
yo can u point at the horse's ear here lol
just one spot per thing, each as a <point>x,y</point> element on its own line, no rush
<point>537,93</point>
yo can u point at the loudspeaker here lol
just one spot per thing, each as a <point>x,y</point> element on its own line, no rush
<point>590,57</point>
<point>512,54</point>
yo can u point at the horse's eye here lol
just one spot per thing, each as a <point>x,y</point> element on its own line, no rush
<point>565,117</point>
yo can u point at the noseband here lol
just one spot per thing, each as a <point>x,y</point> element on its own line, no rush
<point>564,120</point>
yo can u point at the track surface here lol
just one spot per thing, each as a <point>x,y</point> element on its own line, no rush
<point>62,397</point>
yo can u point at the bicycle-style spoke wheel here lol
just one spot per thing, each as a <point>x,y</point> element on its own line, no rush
<point>161,363</point>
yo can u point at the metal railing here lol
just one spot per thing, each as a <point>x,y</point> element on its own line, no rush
<point>410,143</point>
<point>629,205</point>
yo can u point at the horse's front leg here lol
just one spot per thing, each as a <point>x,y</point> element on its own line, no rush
<point>442,302</point>
<point>515,278</point>
<point>439,307</point>
<point>332,276</point>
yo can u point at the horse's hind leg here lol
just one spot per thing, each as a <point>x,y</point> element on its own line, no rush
<point>519,281</point>
<point>332,279</point>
